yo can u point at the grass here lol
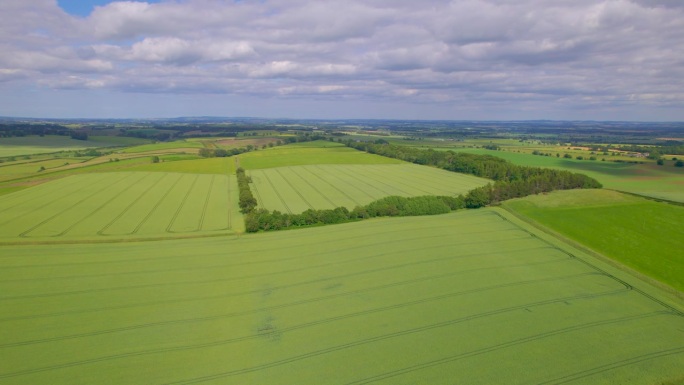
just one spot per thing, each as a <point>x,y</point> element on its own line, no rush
<point>120,205</point>
<point>298,188</point>
<point>641,234</point>
<point>314,153</point>
<point>469,297</point>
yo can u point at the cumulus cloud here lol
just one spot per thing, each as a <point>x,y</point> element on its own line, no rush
<point>467,53</point>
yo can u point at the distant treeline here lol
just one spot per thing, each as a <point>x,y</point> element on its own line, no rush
<point>26,129</point>
<point>511,181</point>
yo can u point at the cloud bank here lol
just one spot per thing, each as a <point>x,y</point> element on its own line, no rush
<point>437,59</point>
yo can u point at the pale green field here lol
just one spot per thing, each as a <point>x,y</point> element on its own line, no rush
<point>223,166</point>
<point>298,188</point>
<point>190,145</point>
<point>313,153</point>
<point>469,297</point>
<point>641,234</point>
<point>28,145</point>
<point>120,205</point>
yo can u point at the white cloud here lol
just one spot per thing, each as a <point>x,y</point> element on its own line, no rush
<point>474,52</point>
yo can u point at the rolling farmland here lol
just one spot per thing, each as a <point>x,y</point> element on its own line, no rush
<point>472,296</point>
<point>121,204</point>
<point>296,189</point>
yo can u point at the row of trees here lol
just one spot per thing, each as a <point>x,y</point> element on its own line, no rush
<point>246,200</point>
<point>392,206</point>
<point>511,181</point>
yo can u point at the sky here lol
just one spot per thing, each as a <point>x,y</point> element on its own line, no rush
<point>343,59</point>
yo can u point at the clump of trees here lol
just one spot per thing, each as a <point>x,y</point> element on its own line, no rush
<point>392,206</point>
<point>246,200</point>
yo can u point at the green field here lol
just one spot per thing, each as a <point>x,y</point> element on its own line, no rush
<point>470,297</point>
<point>195,166</point>
<point>298,188</point>
<point>313,153</point>
<point>641,234</point>
<point>120,205</point>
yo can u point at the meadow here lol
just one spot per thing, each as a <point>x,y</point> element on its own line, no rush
<point>298,188</point>
<point>122,204</point>
<point>472,297</point>
<point>641,234</point>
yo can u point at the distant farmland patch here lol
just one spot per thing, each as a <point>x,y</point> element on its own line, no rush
<point>296,189</point>
<point>122,204</point>
<point>312,153</point>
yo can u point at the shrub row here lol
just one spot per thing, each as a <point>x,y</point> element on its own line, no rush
<point>246,200</point>
<point>391,206</point>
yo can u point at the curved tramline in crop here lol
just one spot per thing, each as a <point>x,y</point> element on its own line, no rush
<point>95,211</point>
<point>103,230</point>
<point>22,196</point>
<point>206,204</point>
<point>72,206</point>
<point>63,195</point>
<point>156,206</point>
<point>360,179</point>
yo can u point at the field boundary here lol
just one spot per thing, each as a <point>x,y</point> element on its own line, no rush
<point>642,277</point>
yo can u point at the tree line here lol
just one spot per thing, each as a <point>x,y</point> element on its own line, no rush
<point>510,180</point>
<point>392,206</point>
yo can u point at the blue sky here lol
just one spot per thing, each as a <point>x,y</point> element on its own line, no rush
<point>403,59</point>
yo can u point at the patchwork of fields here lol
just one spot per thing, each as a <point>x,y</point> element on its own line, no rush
<point>120,204</point>
<point>470,297</point>
<point>298,188</point>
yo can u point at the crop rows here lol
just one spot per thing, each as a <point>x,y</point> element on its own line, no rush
<point>119,204</point>
<point>298,188</point>
<point>465,297</point>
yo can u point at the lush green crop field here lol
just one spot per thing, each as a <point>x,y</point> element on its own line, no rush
<point>195,166</point>
<point>469,297</point>
<point>644,235</point>
<point>298,188</point>
<point>665,182</point>
<point>122,204</point>
<point>309,154</point>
